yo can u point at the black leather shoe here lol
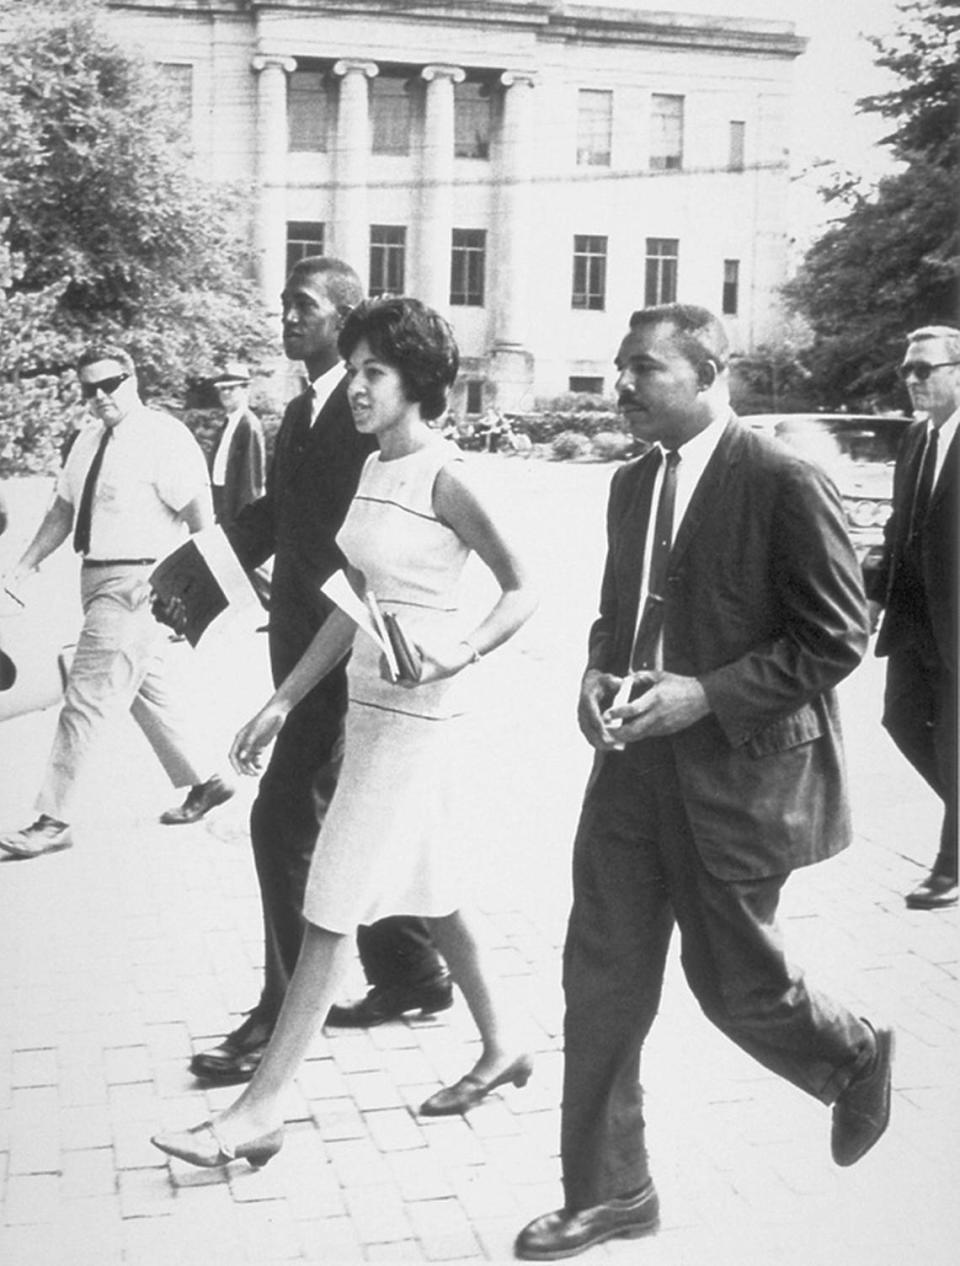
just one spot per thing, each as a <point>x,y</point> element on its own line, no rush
<point>390,1002</point>
<point>563,1234</point>
<point>237,1057</point>
<point>937,892</point>
<point>861,1112</point>
<point>200,800</point>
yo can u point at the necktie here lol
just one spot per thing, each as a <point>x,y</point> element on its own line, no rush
<point>921,496</point>
<point>81,529</point>
<point>651,621</point>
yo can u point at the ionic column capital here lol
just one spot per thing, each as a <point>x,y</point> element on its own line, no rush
<point>436,72</point>
<point>519,78</point>
<point>351,65</point>
<point>271,61</point>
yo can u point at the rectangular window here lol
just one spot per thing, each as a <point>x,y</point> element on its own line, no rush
<point>474,397</point>
<point>666,133</point>
<point>738,135</point>
<point>178,84</point>
<point>389,115</point>
<point>388,249</point>
<point>582,385</point>
<point>304,237</point>
<point>594,127</point>
<point>731,287</point>
<point>589,273</point>
<point>661,275</point>
<point>467,267</point>
<point>472,116</point>
<point>308,111</point>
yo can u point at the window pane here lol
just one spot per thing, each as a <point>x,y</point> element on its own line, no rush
<point>594,126</point>
<point>731,287</point>
<point>738,131</point>
<point>586,385</point>
<point>660,284</point>
<point>388,245</point>
<point>589,272</point>
<point>307,111</point>
<point>471,120</point>
<point>468,267</point>
<point>304,237</point>
<point>178,82</point>
<point>666,133</point>
<point>474,397</point>
<point>389,115</point>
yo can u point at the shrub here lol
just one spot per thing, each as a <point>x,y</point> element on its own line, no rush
<point>612,446</point>
<point>568,445</point>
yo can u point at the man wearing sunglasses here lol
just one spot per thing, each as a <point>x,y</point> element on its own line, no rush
<point>917,587</point>
<point>130,487</point>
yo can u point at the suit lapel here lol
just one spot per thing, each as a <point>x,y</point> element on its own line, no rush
<point>707,491</point>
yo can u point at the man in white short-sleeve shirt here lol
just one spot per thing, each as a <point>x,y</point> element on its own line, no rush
<point>134,484</point>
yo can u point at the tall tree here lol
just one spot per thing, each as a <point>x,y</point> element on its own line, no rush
<point>101,206</point>
<point>891,260</point>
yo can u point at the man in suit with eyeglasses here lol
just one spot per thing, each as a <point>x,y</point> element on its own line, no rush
<point>134,483</point>
<point>916,585</point>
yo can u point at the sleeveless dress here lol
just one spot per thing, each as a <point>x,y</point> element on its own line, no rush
<point>387,845</point>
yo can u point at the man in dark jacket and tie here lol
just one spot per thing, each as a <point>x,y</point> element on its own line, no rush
<point>313,476</point>
<point>731,605</point>
<point>917,586</point>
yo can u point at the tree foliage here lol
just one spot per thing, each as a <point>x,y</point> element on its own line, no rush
<point>891,260</point>
<point>106,229</point>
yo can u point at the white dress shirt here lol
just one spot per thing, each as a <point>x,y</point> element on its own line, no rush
<point>323,388</point>
<point>218,473</point>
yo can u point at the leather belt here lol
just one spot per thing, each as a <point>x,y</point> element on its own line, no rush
<point>118,562</point>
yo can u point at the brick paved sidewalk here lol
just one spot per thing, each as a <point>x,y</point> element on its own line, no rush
<point>122,956</point>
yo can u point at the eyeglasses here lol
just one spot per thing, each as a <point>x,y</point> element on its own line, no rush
<point>921,370</point>
<point>107,385</point>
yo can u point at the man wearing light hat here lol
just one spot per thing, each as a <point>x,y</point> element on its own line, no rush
<point>237,471</point>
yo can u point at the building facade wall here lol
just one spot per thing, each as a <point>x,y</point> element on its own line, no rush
<point>530,195</point>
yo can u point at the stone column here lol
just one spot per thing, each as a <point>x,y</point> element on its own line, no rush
<point>270,233</point>
<point>436,210</point>
<point>511,364</point>
<point>351,224</point>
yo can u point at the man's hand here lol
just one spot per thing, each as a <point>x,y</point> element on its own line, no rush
<point>169,611</point>
<point>246,754</point>
<point>597,692</point>
<point>668,704</point>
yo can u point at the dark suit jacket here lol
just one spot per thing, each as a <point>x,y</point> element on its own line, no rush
<point>311,482</point>
<point>764,604</point>
<point>243,478</point>
<point>920,603</point>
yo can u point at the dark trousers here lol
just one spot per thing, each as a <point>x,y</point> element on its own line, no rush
<point>920,714</point>
<point>636,871</point>
<point>292,801</point>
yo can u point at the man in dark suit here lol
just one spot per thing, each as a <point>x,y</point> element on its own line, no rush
<point>237,464</point>
<point>917,586</point>
<point>730,607</point>
<point>313,476</point>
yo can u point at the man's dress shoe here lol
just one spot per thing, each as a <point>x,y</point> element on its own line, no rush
<point>390,1002</point>
<point>470,1090</point>
<point>937,892</point>
<point>563,1234</point>
<point>200,800</point>
<point>46,835</point>
<point>861,1112</point>
<point>237,1057</point>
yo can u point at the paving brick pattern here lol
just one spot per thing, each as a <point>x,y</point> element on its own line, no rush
<point>141,945</point>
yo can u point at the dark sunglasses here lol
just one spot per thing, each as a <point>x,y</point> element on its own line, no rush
<point>107,385</point>
<point>921,370</point>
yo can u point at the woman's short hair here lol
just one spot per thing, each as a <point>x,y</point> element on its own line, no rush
<point>414,340</point>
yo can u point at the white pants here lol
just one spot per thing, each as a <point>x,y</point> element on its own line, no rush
<point>119,667</point>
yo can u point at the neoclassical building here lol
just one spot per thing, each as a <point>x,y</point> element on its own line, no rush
<point>533,170</point>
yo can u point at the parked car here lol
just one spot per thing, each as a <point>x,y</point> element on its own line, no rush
<point>858,452</point>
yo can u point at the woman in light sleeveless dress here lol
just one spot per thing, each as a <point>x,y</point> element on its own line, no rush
<point>386,846</point>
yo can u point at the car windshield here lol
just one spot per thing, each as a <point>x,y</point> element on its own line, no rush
<point>832,440</point>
